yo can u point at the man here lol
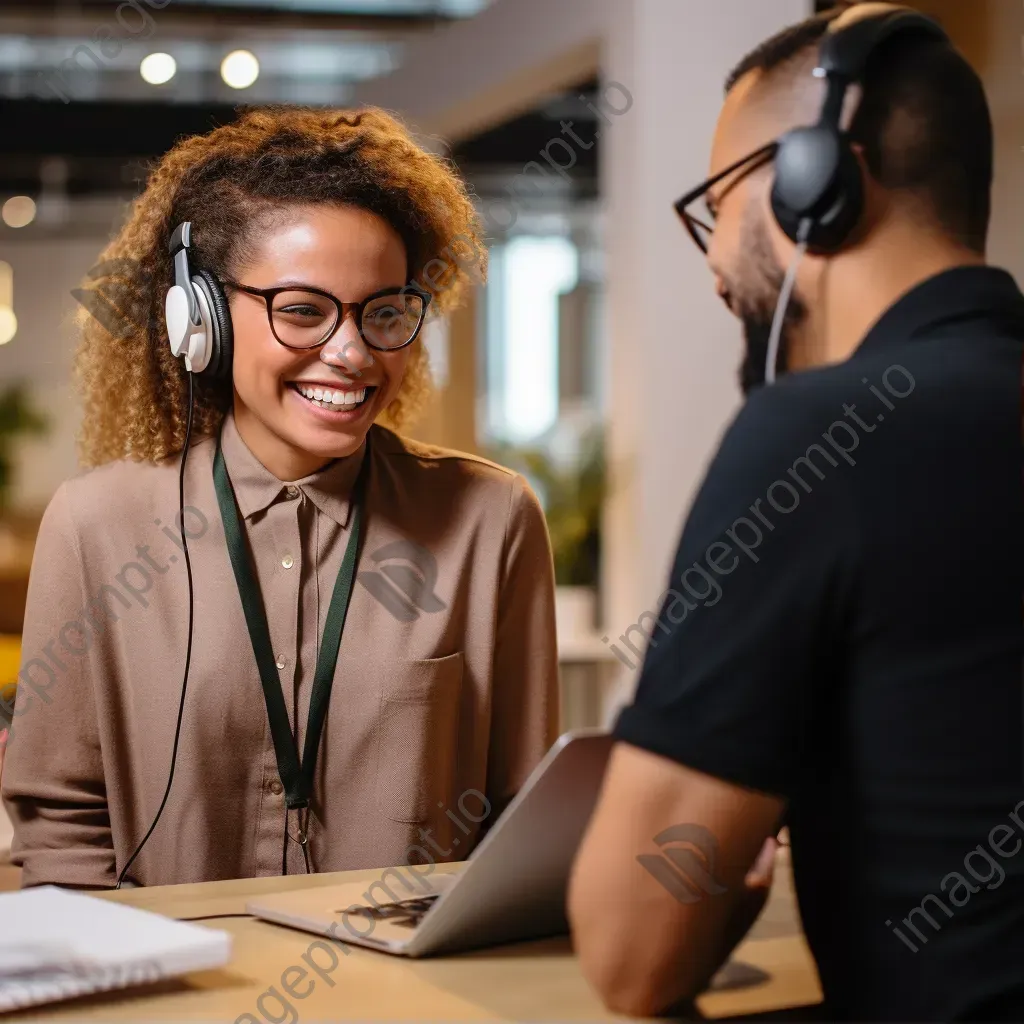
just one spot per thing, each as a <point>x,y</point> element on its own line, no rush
<point>859,677</point>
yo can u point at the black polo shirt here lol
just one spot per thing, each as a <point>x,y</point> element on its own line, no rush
<point>843,628</point>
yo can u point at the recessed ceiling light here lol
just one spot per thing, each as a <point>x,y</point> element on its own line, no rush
<point>18,211</point>
<point>158,68</point>
<point>240,69</point>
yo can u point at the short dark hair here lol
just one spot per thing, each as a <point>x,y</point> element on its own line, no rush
<point>923,120</point>
<point>782,47</point>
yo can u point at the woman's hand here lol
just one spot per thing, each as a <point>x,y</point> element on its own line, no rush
<point>760,874</point>
<point>3,747</point>
<point>758,883</point>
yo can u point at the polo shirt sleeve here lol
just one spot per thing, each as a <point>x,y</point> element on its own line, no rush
<point>738,654</point>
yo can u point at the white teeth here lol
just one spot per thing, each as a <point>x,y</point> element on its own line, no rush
<point>328,398</point>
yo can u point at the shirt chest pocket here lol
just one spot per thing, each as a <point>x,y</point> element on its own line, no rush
<point>417,735</point>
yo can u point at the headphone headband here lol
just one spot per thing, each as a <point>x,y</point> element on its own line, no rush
<point>856,34</point>
<point>851,40</point>
<point>178,247</point>
<point>818,192</point>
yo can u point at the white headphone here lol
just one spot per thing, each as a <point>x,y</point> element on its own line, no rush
<point>197,314</point>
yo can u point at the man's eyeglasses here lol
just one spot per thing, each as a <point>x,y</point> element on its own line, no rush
<point>702,227</point>
<point>303,317</point>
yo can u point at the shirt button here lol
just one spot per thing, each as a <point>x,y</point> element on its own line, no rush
<point>291,491</point>
<point>281,661</point>
<point>276,788</point>
<point>287,561</point>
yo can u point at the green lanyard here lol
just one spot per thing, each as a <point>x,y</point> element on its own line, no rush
<point>297,778</point>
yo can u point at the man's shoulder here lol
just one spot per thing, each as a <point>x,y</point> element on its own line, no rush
<point>807,396</point>
<point>797,436</point>
<point>802,409</point>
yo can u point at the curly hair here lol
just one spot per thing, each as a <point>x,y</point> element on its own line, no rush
<point>228,183</point>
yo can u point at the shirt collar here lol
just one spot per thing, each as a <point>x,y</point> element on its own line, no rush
<point>962,293</point>
<point>256,488</point>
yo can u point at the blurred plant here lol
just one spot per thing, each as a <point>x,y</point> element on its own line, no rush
<point>573,498</point>
<point>17,417</point>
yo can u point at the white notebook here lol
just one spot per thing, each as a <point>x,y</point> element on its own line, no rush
<point>56,944</point>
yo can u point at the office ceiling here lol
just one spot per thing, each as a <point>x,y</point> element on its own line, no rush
<point>77,111</point>
<point>80,122</point>
<point>376,8</point>
<point>309,51</point>
<point>337,8</point>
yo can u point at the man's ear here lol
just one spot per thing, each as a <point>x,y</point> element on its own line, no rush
<point>876,196</point>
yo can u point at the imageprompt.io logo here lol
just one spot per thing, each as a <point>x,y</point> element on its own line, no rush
<point>118,301</point>
<point>405,580</point>
<point>686,865</point>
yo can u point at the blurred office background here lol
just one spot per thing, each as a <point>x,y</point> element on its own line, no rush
<point>596,358</point>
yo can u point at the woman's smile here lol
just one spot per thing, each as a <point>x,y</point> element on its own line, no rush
<point>333,404</point>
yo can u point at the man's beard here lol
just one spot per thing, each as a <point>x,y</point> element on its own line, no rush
<point>756,299</point>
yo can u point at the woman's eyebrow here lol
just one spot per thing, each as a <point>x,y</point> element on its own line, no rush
<point>295,283</point>
<point>308,286</point>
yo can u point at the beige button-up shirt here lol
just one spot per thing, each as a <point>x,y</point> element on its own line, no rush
<point>445,690</point>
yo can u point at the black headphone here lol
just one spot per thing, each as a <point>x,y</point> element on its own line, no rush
<point>818,192</point>
<point>197,312</point>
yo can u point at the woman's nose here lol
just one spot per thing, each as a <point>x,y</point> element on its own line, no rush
<point>347,350</point>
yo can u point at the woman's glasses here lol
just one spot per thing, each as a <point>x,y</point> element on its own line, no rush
<point>303,317</point>
<point>702,227</point>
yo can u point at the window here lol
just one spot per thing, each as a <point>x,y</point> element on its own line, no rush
<point>528,274</point>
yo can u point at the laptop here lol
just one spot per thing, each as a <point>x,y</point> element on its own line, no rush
<point>512,887</point>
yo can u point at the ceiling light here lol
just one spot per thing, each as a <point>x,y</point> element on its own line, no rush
<point>158,68</point>
<point>18,211</point>
<point>8,324</point>
<point>240,69</point>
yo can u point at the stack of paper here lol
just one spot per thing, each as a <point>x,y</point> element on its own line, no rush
<point>56,944</point>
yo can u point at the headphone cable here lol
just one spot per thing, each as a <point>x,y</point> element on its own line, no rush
<point>781,307</point>
<point>188,652</point>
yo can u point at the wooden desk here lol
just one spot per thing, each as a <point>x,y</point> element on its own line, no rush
<point>525,981</point>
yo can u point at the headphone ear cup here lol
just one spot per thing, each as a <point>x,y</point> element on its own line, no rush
<point>832,230</point>
<point>179,326</point>
<point>817,176</point>
<point>222,340</point>
<point>786,218</point>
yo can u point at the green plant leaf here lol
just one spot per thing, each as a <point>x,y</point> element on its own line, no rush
<point>18,417</point>
<point>573,500</point>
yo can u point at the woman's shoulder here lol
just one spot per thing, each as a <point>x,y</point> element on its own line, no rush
<point>125,490</point>
<point>419,458</point>
<point>430,472</point>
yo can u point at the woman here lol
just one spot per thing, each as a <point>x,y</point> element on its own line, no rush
<point>329,234</point>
